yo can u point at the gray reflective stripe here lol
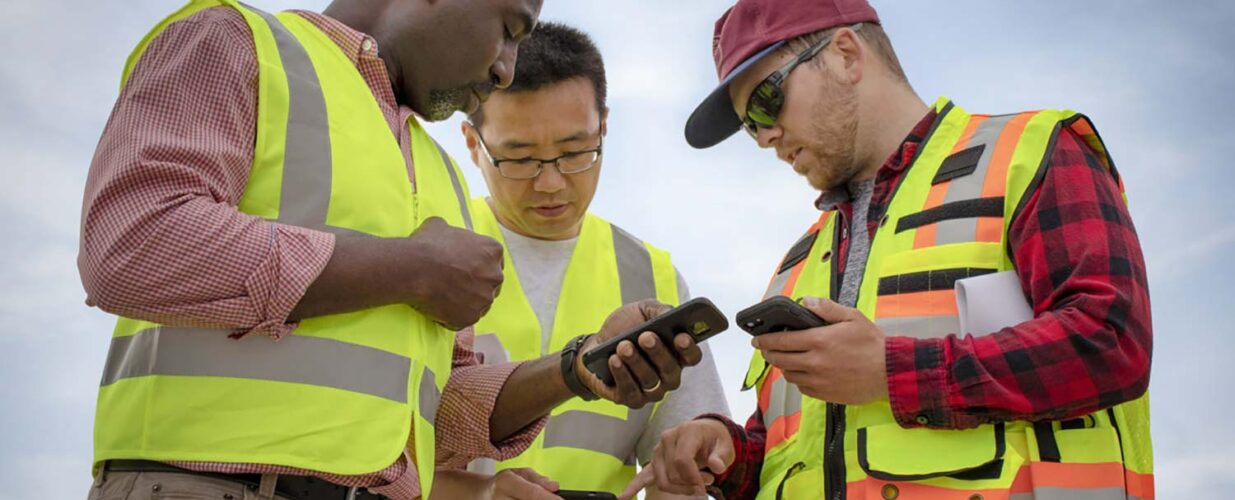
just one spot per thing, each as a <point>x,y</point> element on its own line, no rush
<point>430,396</point>
<point>970,186</point>
<point>322,362</point>
<point>491,347</point>
<point>454,180</point>
<point>784,399</point>
<point>599,433</point>
<point>922,327</point>
<point>1055,493</point>
<point>634,265</point>
<point>778,284</point>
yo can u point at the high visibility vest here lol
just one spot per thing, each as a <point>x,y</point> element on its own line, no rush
<point>586,445</point>
<point>948,220</point>
<point>344,392</point>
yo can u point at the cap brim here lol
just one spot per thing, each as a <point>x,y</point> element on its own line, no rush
<point>714,120</point>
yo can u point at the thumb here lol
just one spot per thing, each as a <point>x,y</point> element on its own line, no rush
<point>644,478</point>
<point>716,463</point>
<point>827,310</point>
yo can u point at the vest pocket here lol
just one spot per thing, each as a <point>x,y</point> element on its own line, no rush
<point>801,481</point>
<point>893,453</point>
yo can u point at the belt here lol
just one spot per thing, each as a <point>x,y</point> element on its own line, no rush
<point>294,487</point>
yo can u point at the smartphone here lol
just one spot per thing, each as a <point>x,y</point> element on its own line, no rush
<point>585,495</point>
<point>697,317</point>
<point>777,314</point>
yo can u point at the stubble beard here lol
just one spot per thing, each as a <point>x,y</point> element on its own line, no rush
<point>836,129</point>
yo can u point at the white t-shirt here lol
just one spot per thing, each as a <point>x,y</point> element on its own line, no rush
<point>541,266</point>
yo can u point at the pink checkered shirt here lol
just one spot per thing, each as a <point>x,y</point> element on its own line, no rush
<point>162,239</point>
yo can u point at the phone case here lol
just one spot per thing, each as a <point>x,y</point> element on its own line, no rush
<point>698,317</point>
<point>585,495</point>
<point>777,314</point>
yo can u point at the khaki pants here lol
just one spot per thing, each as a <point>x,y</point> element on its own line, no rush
<point>176,486</point>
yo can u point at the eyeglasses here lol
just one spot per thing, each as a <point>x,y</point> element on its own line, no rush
<point>766,100</point>
<point>573,162</point>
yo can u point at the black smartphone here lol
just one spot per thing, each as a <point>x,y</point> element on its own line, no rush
<point>777,314</point>
<point>585,495</point>
<point>698,317</point>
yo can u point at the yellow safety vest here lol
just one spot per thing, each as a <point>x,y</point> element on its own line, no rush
<point>947,221</point>
<point>343,393</point>
<point>586,445</point>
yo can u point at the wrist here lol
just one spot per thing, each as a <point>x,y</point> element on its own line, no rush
<point>572,366</point>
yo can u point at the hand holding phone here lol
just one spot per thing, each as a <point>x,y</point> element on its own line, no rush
<point>585,495</point>
<point>697,317</point>
<point>777,314</point>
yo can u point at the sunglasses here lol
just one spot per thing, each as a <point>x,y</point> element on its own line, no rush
<point>766,100</point>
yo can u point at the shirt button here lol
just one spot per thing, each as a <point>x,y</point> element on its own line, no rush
<point>923,419</point>
<point>366,45</point>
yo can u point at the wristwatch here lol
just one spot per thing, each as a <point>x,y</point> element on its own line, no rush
<point>569,375</point>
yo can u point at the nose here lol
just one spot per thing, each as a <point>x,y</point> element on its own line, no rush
<point>550,179</point>
<point>767,137</point>
<point>502,73</point>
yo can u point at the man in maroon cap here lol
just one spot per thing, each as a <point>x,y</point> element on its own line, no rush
<point>909,392</point>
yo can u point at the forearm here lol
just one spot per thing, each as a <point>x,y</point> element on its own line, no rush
<point>362,272</point>
<point>531,392</point>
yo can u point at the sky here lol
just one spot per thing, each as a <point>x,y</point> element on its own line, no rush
<point>1156,78</point>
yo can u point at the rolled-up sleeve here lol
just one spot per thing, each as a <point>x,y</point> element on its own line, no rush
<point>161,238</point>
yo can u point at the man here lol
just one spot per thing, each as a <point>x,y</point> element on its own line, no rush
<point>538,144</point>
<point>263,178</point>
<point>893,399</point>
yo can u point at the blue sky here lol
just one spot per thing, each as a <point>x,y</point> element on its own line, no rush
<point>1156,77</point>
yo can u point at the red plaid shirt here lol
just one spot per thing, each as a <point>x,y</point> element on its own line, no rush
<point>162,239</point>
<point>1088,347</point>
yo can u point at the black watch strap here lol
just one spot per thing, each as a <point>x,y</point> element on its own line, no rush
<point>569,375</point>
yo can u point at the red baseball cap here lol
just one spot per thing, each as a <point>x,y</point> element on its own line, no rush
<point>750,31</point>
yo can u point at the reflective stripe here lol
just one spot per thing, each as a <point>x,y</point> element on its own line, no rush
<point>634,267</point>
<point>430,396</point>
<point>1054,493</point>
<point>784,399</point>
<point>195,352</point>
<point>599,433</point>
<point>970,187</point>
<point>777,286</point>
<point>922,327</point>
<point>454,181</point>
<point>490,345</point>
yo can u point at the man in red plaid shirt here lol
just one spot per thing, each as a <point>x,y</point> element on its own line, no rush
<point>893,399</point>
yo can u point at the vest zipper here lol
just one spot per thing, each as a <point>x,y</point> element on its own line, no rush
<point>834,435</point>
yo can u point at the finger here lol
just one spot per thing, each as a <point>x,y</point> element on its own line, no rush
<point>688,350</point>
<point>644,374</point>
<point>829,311</point>
<point>790,341</point>
<point>666,364</point>
<point>514,486</point>
<point>535,478</point>
<point>651,308</point>
<point>626,387</point>
<point>684,469</point>
<point>646,476</point>
<point>790,361</point>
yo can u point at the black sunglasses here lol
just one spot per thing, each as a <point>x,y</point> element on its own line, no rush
<point>766,100</point>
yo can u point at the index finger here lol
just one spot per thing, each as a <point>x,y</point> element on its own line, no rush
<point>645,477</point>
<point>783,341</point>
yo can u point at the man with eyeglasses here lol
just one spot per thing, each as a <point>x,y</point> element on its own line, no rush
<point>539,146</point>
<point>901,395</point>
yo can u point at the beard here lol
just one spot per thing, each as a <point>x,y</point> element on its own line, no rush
<point>443,103</point>
<point>835,132</point>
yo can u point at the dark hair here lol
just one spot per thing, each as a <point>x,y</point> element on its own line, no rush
<point>871,33</point>
<point>554,53</point>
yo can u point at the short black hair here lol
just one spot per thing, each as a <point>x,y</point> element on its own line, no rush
<point>554,53</point>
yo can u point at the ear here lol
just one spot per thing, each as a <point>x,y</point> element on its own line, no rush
<point>849,55</point>
<point>469,136</point>
<point>604,121</point>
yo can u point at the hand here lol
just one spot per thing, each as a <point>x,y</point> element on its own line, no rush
<point>843,362</point>
<point>458,276</point>
<point>508,484</point>
<point>687,459</point>
<point>644,378</point>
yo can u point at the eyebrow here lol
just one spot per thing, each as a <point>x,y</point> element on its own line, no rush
<point>577,136</point>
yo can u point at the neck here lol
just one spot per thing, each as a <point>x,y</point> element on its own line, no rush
<point>890,115</point>
<point>364,16</point>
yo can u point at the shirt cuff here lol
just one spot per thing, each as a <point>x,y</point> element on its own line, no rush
<point>731,478</point>
<point>297,256</point>
<point>468,401</point>
<point>917,382</point>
